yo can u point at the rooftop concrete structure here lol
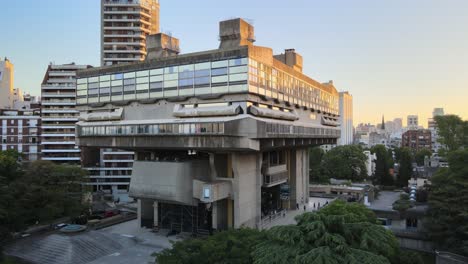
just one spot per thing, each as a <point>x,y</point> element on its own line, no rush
<point>221,137</point>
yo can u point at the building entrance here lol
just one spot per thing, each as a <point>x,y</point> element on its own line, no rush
<point>185,218</point>
<point>271,200</point>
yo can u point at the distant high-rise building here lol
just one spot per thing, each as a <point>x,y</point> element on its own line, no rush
<point>382,126</point>
<point>398,123</point>
<point>417,139</point>
<point>412,122</point>
<point>58,92</point>
<point>438,112</point>
<point>125,24</point>
<point>346,118</point>
<point>19,130</point>
<point>6,83</point>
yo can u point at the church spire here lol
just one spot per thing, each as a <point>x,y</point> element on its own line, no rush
<point>383,123</point>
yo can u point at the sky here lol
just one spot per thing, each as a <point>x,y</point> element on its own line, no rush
<point>395,57</point>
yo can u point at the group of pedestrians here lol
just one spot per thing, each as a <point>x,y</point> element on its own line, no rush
<point>315,206</point>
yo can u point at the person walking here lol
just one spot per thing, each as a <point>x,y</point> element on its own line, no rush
<point>305,207</point>
<point>297,206</point>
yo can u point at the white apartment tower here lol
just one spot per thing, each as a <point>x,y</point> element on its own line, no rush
<point>346,118</point>
<point>412,122</point>
<point>58,92</point>
<point>125,24</point>
<point>6,83</point>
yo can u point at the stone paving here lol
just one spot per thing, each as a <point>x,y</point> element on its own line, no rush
<point>288,218</point>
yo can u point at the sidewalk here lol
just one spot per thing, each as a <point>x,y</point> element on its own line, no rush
<point>288,219</point>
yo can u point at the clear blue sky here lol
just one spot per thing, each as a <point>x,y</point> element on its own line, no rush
<point>396,57</point>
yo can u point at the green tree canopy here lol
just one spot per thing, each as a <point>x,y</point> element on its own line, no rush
<point>448,204</point>
<point>382,165</point>
<point>420,156</point>
<point>315,164</point>
<point>345,162</point>
<point>405,170</point>
<point>37,192</point>
<point>453,132</point>
<point>233,246</point>
<point>339,233</point>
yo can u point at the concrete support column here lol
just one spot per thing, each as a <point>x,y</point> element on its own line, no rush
<point>155,212</point>
<point>213,173</point>
<point>246,188</point>
<point>139,212</point>
<point>214,215</point>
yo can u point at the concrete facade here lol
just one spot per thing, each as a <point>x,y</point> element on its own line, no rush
<point>220,137</point>
<point>346,119</point>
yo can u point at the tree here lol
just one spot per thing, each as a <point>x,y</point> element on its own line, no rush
<point>233,246</point>
<point>54,191</point>
<point>420,156</point>
<point>345,162</point>
<point>315,164</point>
<point>403,203</point>
<point>382,166</point>
<point>405,170</point>
<point>453,132</point>
<point>38,192</point>
<point>448,204</point>
<point>339,233</point>
<point>329,236</point>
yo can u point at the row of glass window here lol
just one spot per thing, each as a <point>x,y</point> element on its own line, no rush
<point>153,129</point>
<point>160,93</point>
<point>288,129</point>
<point>263,79</point>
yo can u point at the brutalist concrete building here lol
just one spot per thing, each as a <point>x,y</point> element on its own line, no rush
<point>221,137</point>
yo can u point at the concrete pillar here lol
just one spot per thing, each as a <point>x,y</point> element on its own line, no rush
<point>155,212</point>
<point>214,215</point>
<point>246,188</point>
<point>139,212</point>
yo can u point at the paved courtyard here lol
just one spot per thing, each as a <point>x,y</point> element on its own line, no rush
<point>288,218</point>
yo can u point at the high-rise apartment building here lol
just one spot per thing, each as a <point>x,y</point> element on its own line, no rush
<point>125,24</point>
<point>346,118</point>
<point>19,130</point>
<point>412,122</point>
<point>6,83</point>
<point>58,92</point>
<point>417,139</point>
<point>438,112</point>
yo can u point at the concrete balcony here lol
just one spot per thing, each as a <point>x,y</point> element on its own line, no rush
<point>130,43</point>
<point>275,175</point>
<point>119,161</point>
<point>123,59</point>
<point>57,95</point>
<point>61,151</point>
<point>127,28</point>
<point>57,135</point>
<point>58,87</point>
<point>64,119</point>
<point>137,20</point>
<point>59,102</point>
<point>117,35</point>
<point>61,158</point>
<point>62,73</point>
<point>60,111</point>
<point>126,51</point>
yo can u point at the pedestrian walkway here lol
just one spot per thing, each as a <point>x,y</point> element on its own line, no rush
<point>288,218</point>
